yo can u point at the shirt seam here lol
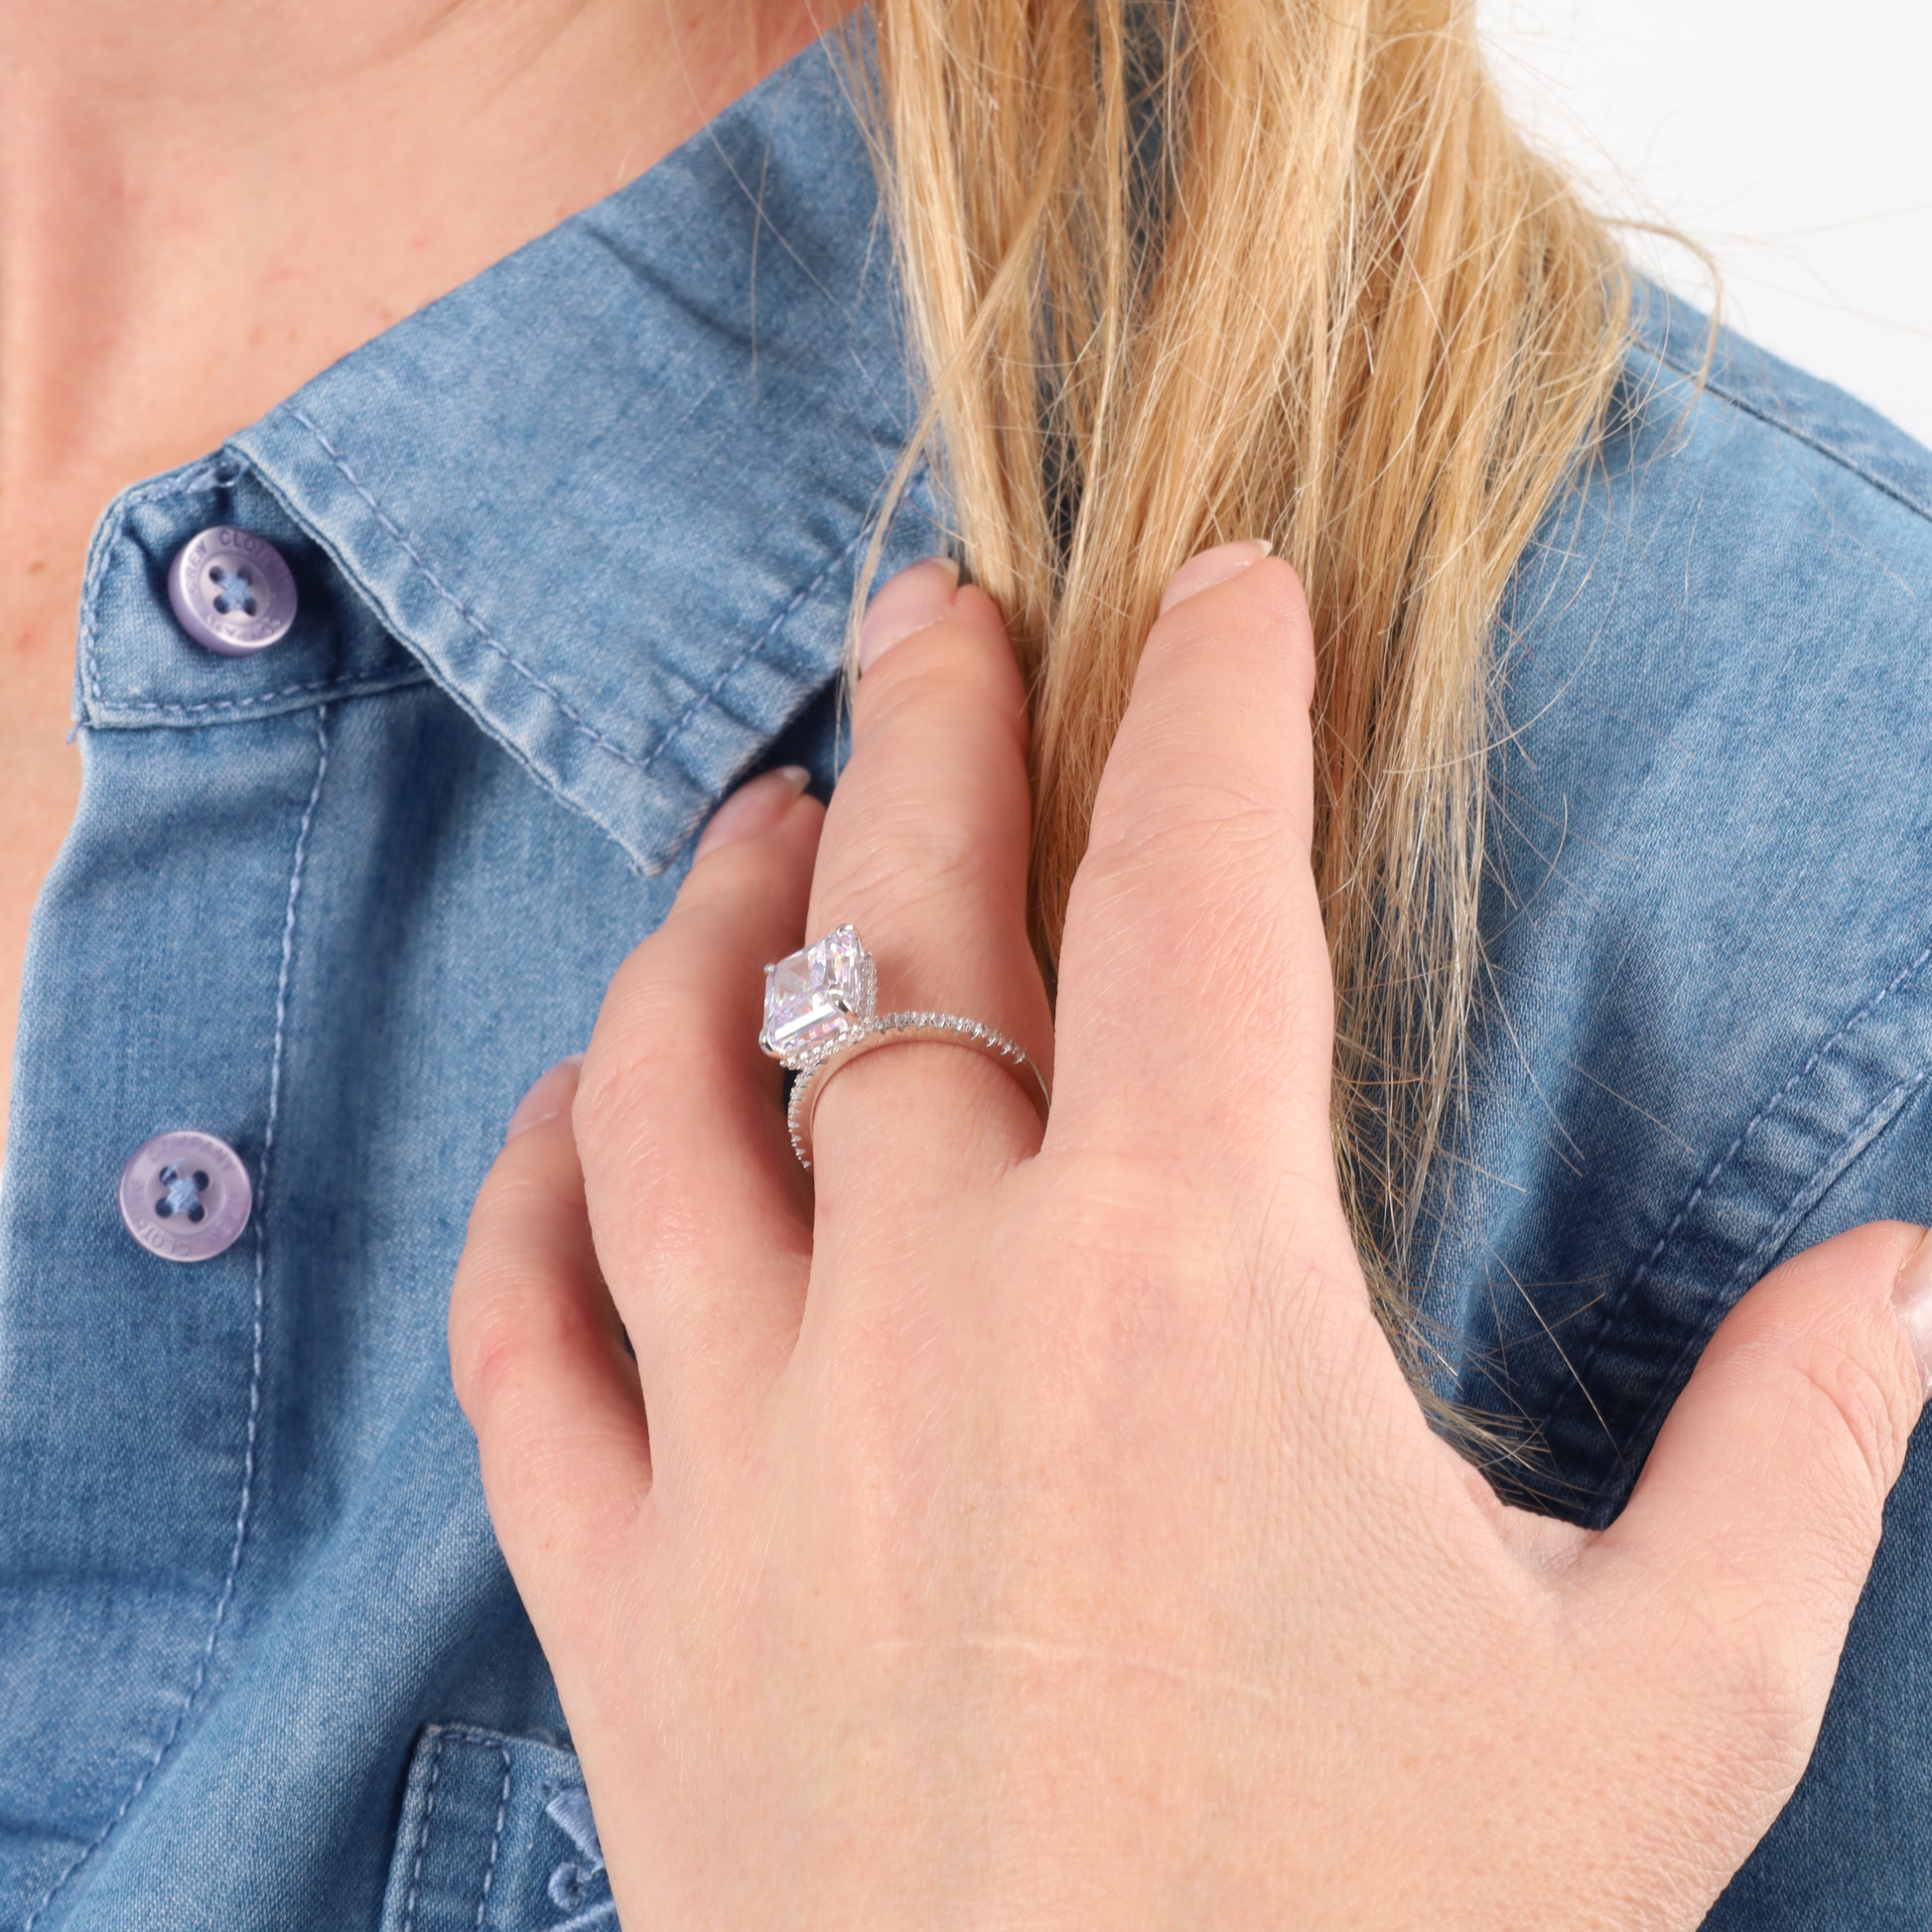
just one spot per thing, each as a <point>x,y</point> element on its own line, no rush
<point>1647,1266</point>
<point>245,1508</point>
<point>183,484</point>
<point>335,688</point>
<point>496,1835</point>
<point>639,762</point>
<point>1867,1127</point>
<point>1716,383</point>
<point>422,1843</point>
<point>408,547</point>
<point>437,1735</point>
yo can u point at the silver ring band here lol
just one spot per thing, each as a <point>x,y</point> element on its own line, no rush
<point>865,1035</point>
<point>820,1015</point>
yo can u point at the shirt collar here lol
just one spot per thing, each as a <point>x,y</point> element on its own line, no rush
<point>613,492</point>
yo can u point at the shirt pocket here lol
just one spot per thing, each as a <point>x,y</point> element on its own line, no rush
<point>496,1835</point>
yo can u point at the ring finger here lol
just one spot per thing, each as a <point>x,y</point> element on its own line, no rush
<point>924,853</point>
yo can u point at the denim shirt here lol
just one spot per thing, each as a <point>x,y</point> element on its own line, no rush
<point>574,549</point>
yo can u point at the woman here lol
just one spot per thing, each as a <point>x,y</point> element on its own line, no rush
<point>584,534</point>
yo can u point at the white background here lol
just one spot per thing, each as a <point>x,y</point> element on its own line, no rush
<point>1794,142</point>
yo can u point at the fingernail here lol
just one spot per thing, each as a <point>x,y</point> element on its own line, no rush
<point>917,596</point>
<point>756,806</point>
<point>1911,1302</point>
<point>1213,567</point>
<point>547,1099</point>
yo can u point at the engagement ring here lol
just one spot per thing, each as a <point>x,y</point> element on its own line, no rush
<point>819,1016</point>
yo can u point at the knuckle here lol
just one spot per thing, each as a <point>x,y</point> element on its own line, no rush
<point>491,1339</point>
<point>1194,864</point>
<point>1766,1677</point>
<point>1757,1693</point>
<point>922,867</point>
<point>625,1091</point>
<point>1211,916</point>
<point>1736,1664</point>
<point>490,1358</point>
<point>647,1048</point>
<point>1231,812</point>
<point>519,1317</point>
<point>1131,1220</point>
<point>1141,879</point>
<point>626,1119</point>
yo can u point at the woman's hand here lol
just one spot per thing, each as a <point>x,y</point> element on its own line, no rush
<point>1038,1532</point>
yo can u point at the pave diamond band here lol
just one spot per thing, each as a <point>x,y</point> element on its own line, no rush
<point>819,1016</point>
<point>860,1037</point>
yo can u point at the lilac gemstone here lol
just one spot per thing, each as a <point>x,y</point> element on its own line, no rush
<point>809,995</point>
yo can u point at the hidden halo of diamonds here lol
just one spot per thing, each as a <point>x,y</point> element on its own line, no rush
<point>820,1015</point>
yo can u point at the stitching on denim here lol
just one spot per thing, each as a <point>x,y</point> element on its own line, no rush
<point>338,686</point>
<point>422,1843</point>
<point>1752,1126</point>
<point>495,1838</point>
<point>691,828</point>
<point>1730,391</point>
<point>102,551</point>
<point>243,1510</point>
<point>639,762</point>
<point>594,1916</point>
<point>757,643</point>
<point>455,603</point>
<point>1891,1100</point>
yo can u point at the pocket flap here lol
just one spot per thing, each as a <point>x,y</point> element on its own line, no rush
<point>496,1835</point>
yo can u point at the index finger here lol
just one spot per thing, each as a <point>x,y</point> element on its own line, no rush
<point>1196,1001</point>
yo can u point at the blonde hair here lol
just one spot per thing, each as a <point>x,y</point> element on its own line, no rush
<point>1184,272</point>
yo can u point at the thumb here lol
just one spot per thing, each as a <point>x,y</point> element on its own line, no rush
<point>1759,1509</point>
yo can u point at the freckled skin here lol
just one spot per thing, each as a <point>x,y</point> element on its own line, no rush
<point>134,334</point>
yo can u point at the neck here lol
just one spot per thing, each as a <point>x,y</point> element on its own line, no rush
<point>204,202</point>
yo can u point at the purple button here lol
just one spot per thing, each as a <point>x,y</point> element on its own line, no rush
<point>185,1196</point>
<point>233,592</point>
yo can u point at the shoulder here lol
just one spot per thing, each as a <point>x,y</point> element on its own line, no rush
<point>1738,502</point>
<point>1723,634</point>
<point>1708,926</point>
<point>1675,353</point>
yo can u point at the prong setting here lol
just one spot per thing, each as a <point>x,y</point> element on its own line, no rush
<point>816,994</point>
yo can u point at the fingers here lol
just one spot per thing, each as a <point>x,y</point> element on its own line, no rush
<point>925,852</point>
<point>537,1357</point>
<point>1759,1509</point>
<point>700,1213</point>
<point>1196,1002</point>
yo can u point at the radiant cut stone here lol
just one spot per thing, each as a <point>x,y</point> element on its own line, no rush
<point>809,995</point>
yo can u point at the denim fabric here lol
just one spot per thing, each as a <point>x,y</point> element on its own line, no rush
<point>1707,1043</point>
<point>574,549</point>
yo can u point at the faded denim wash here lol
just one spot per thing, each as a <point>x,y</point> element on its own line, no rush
<point>574,549</point>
